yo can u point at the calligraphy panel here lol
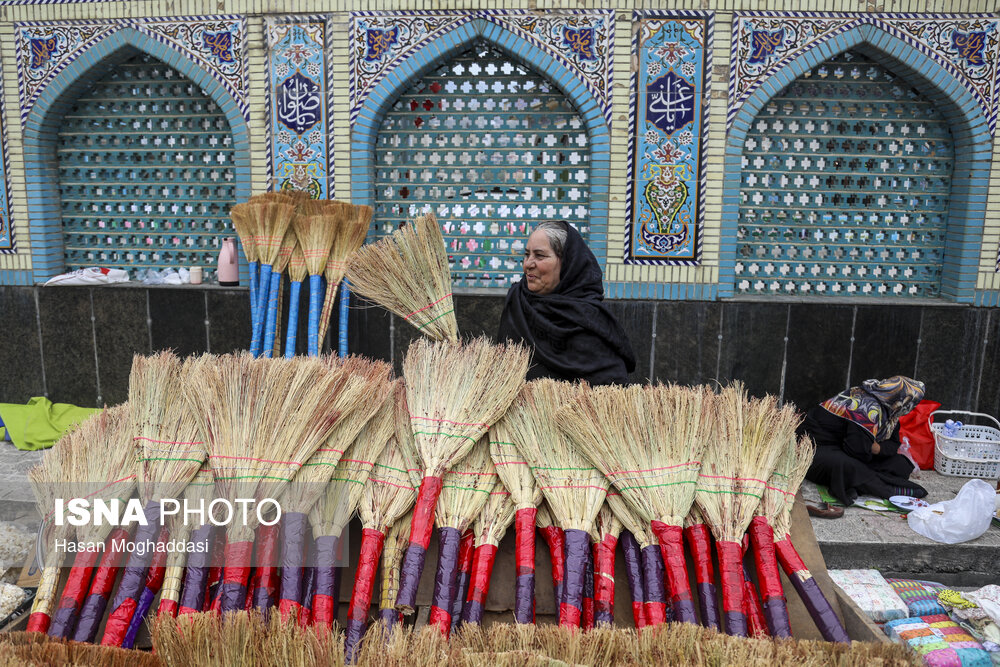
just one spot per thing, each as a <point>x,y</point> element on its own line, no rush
<point>298,107</point>
<point>668,116</point>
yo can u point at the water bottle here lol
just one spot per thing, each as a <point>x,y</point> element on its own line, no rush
<point>952,428</point>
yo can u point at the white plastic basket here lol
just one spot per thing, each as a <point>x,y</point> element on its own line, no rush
<point>973,452</point>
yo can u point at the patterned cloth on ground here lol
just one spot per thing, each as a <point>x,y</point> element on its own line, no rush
<point>939,641</point>
<point>920,596</point>
<point>871,592</point>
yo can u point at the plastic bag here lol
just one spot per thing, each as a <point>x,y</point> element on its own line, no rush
<point>963,518</point>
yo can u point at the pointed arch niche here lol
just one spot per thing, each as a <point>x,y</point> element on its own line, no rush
<point>45,123</point>
<point>970,143</point>
<point>532,64</point>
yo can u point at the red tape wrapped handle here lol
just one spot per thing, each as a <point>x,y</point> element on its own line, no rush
<point>479,583</point>
<point>633,572</point>
<point>421,527</point>
<point>604,580</point>
<point>74,592</point>
<point>731,576</point>
<point>556,541</point>
<point>769,578</point>
<point>364,582</point>
<point>233,589</point>
<point>93,608</point>
<point>671,540</point>
<point>699,540</point>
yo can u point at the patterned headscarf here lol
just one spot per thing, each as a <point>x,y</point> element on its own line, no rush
<point>877,405</point>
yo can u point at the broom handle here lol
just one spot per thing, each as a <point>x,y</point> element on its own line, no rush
<point>633,572</point>
<point>233,589</point>
<point>577,549</point>
<point>479,583</point>
<point>154,581</point>
<point>655,603</point>
<point>466,550</point>
<point>361,596</point>
<point>731,577</point>
<point>324,318</point>
<point>756,625</point>
<point>257,339</point>
<point>449,545</point>
<point>73,593</point>
<point>556,541</point>
<point>324,598</point>
<point>40,617</point>
<point>699,540</point>
<point>133,577</point>
<point>524,558</point>
<point>293,319</point>
<point>775,608</point>
<point>271,318</point>
<point>604,580</point>
<point>93,607</point>
<point>192,597</point>
<point>254,269</point>
<point>315,304</point>
<point>420,538</point>
<point>812,596</point>
<point>345,302</point>
<point>587,619</point>
<point>294,535</point>
<point>266,576</point>
<point>671,540</point>
<point>305,612</point>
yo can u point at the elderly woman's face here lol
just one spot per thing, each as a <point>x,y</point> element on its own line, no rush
<point>541,265</point>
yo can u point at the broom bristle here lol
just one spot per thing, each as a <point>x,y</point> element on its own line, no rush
<point>404,438</point>
<point>273,220</point>
<point>630,520</point>
<point>466,488</point>
<point>408,273</point>
<point>495,517</point>
<point>245,224</point>
<point>572,486</point>
<point>351,223</point>
<point>297,270</point>
<point>513,470</point>
<point>396,539</point>
<point>606,524</point>
<point>278,197</point>
<point>350,478</point>
<point>308,207</point>
<point>454,391</point>
<point>288,245</point>
<point>389,493</point>
<point>785,482</point>
<point>316,233</point>
<point>34,649</point>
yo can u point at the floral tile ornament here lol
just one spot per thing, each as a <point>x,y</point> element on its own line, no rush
<point>298,105</point>
<point>215,43</point>
<point>966,45</point>
<point>579,39</point>
<point>668,115</point>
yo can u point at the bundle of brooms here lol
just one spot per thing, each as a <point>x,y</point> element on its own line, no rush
<point>170,452</point>
<point>489,528</point>
<point>554,539</point>
<point>454,391</point>
<point>260,420</point>
<point>750,436</point>
<point>344,494</point>
<point>363,387</point>
<point>607,528</point>
<point>632,525</point>
<point>271,220</point>
<point>526,496</point>
<point>205,640</point>
<point>352,222</point>
<point>101,466</point>
<point>198,493</point>
<point>648,441</point>
<point>573,487</point>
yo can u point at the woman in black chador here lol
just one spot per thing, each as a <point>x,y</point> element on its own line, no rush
<point>558,310</point>
<point>857,440</point>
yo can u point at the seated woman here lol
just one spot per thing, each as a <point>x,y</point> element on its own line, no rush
<point>857,438</point>
<point>558,310</point>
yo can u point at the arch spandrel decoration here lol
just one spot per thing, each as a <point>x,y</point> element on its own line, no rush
<point>69,78</point>
<point>968,122</point>
<point>449,42</point>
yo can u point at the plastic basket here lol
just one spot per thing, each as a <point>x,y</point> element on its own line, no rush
<point>973,452</point>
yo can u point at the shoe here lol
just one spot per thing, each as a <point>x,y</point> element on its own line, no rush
<point>825,510</point>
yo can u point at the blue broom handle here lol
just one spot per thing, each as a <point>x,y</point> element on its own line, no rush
<point>293,319</point>
<point>315,307</point>
<point>263,284</point>
<point>271,318</point>
<point>345,298</point>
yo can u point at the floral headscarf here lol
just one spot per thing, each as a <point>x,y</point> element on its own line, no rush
<point>877,405</point>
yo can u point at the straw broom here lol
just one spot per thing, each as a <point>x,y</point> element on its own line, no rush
<point>454,390</point>
<point>352,228</point>
<point>779,497</point>
<point>587,607</point>
<point>102,462</point>
<point>648,441</point>
<point>573,487</point>
<point>556,542</point>
<point>607,528</point>
<point>261,419</point>
<point>31,649</point>
<point>466,551</point>
<point>154,581</point>
<point>316,234</point>
<point>272,322</point>
<point>631,526</point>
<point>408,274</point>
<point>364,388</point>
<point>699,542</point>
<point>272,222</point>
<point>343,495</point>
<point>731,484</point>
<point>46,480</point>
<point>245,224</point>
<point>196,535</point>
<point>752,609</point>
<point>490,527</point>
<point>396,540</point>
<point>297,273</point>
<point>170,455</point>
<point>526,496</point>
<point>387,496</point>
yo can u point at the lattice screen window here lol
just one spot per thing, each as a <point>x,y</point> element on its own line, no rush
<point>145,171</point>
<point>846,179</point>
<point>492,148</point>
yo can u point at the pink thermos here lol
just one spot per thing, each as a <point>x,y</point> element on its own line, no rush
<point>229,264</point>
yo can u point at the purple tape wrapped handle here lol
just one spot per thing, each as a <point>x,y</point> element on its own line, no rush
<point>133,580</point>
<point>145,602</point>
<point>196,572</point>
<point>524,598</point>
<point>461,590</point>
<point>577,552</point>
<point>708,603</point>
<point>652,574</point>
<point>633,565</point>
<point>409,578</point>
<point>446,577</point>
<point>90,617</point>
<point>294,533</point>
